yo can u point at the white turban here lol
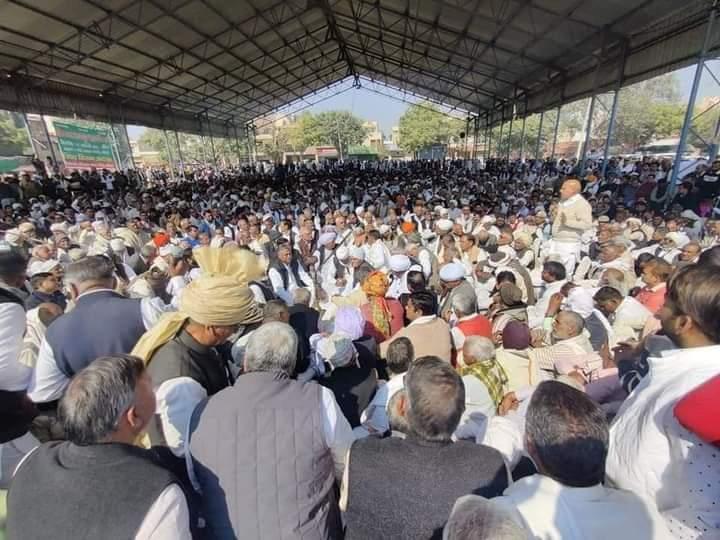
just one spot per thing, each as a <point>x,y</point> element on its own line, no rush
<point>444,225</point>
<point>452,272</point>
<point>327,238</point>
<point>399,263</point>
<point>580,301</point>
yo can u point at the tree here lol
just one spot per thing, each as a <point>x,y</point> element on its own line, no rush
<point>301,132</point>
<point>423,125</point>
<point>340,129</point>
<point>13,139</point>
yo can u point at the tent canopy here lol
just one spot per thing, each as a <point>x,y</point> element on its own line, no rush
<point>211,66</point>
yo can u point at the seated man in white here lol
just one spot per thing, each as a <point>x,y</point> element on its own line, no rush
<point>400,354</point>
<point>567,436</point>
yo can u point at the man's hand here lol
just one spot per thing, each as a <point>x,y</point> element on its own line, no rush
<point>607,357</point>
<point>554,304</point>
<point>179,268</point>
<point>537,339</point>
<point>509,403</point>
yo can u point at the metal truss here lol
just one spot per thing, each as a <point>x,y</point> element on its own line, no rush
<point>225,64</point>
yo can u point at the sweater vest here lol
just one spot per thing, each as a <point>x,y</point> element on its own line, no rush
<point>477,326</point>
<point>102,324</point>
<point>282,270</point>
<point>99,491</point>
<point>405,488</point>
<point>262,461</point>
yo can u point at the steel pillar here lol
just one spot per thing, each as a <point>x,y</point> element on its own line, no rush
<point>500,139</point>
<point>509,143</point>
<point>611,127</point>
<point>588,131</point>
<point>127,136</point>
<point>539,137</point>
<point>237,145</point>
<point>212,143</point>
<point>170,158</point>
<point>180,156</point>
<point>522,139</point>
<point>49,140</point>
<point>490,136</point>
<point>691,100</point>
<point>555,133</point>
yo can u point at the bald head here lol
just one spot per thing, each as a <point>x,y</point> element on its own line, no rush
<point>570,188</point>
<point>568,324</point>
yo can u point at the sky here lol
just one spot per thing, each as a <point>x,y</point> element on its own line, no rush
<point>387,111</point>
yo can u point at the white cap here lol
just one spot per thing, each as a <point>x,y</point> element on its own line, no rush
<point>342,253</point>
<point>678,238</point>
<point>170,250</point>
<point>384,228</point>
<point>357,253</point>
<point>42,267</point>
<point>444,225</point>
<point>399,263</point>
<point>326,238</point>
<point>452,272</point>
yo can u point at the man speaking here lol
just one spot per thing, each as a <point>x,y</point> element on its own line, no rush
<point>573,218</point>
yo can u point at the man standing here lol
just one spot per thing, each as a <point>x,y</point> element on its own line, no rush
<point>61,485</point>
<point>573,219</point>
<point>279,482</point>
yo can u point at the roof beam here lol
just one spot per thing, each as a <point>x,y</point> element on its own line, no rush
<point>81,29</point>
<point>336,35</point>
<point>432,47</point>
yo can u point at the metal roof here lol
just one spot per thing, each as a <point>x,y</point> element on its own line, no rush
<point>215,65</point>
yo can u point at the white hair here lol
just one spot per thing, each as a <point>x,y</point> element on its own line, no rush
<point>464,302</point>
<point>272,347</point>
<point>476,518</point>
<point>479,348</point>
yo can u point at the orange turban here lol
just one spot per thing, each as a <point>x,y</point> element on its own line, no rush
<point>407,227</point>
<point>376,284</point>
<point>160,239</point>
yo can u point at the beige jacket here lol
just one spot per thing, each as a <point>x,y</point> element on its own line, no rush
<point>429,336</point>
<point>578,219</point>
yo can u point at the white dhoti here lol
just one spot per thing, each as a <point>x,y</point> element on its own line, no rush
<point>567,253</point>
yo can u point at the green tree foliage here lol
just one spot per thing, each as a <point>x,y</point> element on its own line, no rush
<point>423,125</point>
<point>13,138</point>
<point>340,129</point>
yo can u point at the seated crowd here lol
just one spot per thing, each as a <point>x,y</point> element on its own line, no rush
<point>405,350</point>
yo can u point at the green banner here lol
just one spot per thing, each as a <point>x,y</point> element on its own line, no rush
<point>84,146</point>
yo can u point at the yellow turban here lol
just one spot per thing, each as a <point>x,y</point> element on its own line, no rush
<point>215,298</point>
<point>241,264</point>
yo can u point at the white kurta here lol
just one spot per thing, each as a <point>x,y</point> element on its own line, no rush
<point>553,511</point>
<point>652,455</point>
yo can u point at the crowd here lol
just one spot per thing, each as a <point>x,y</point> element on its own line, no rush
<point>362,350</point>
